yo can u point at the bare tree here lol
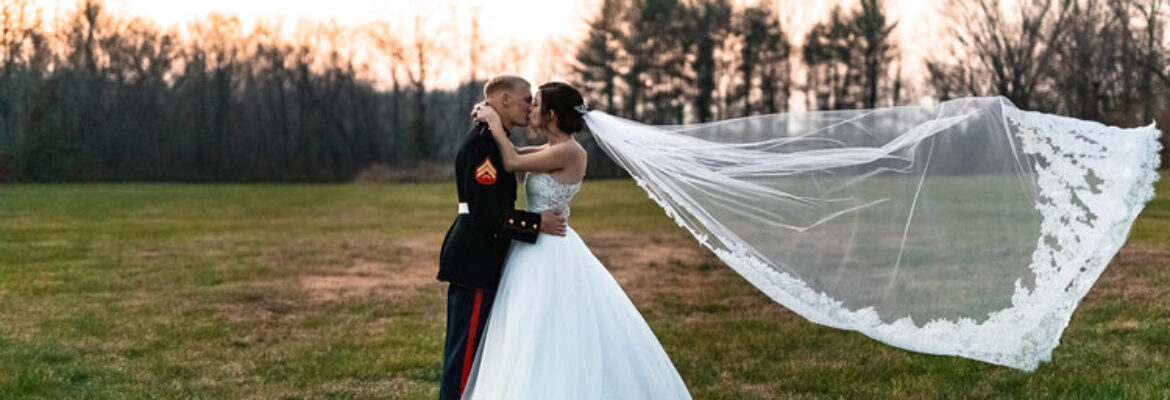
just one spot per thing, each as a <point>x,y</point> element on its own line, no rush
<point>1143,23</point>
<point>414,61</point>
<point>1012,53</point>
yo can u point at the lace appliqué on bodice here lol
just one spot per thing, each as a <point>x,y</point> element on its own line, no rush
<point>545,193</point>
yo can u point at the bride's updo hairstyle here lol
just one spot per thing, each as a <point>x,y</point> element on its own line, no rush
<point>561,99</point>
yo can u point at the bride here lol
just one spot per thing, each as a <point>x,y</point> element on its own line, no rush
<point>561,327</point>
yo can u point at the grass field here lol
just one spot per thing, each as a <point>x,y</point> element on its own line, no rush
<point>328,291</point>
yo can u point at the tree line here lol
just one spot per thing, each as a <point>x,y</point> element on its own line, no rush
<point>95,97</point>
<point>91,96</point>
<point>678,61</point>
<point>1100,60</point>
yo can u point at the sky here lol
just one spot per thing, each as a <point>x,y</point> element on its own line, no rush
<point>543,32</point>
<point>515,20</point>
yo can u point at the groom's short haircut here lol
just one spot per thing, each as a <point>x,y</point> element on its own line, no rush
<point>500,83</point>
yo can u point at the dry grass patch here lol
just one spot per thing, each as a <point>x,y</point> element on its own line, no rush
<point>415,263</point>
<point>1128,276</point>
<point>677,267</point>
<point>649,265</point>
<point>266,300</point>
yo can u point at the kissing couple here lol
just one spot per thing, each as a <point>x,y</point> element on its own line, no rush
<point>531,312</point>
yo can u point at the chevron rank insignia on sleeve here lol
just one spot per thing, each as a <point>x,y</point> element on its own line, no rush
<point>485,173</point>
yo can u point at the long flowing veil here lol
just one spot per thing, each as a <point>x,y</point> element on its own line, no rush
<point>968,228</point>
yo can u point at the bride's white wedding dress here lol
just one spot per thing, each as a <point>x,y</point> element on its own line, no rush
<point>562,328</point>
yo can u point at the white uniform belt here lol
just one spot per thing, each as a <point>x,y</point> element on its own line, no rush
<point>463,208</point>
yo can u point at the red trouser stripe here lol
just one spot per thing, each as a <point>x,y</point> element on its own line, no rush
<point>469,351</point>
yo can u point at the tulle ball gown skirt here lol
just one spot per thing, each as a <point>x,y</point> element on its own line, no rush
<point>562,328</point>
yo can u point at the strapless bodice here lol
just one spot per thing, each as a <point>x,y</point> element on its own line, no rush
<point>545,193</point>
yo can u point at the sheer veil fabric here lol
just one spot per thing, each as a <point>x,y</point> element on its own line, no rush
<point>968,227</point>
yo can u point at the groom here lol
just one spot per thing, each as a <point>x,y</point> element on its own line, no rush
<point>473,252</point>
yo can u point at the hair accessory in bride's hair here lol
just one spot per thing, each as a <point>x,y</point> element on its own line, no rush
<point>583,108</point>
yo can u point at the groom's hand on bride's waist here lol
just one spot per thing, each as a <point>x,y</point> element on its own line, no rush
<point>552,223</point>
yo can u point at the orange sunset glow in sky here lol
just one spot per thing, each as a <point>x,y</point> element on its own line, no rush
<point>534,38</point>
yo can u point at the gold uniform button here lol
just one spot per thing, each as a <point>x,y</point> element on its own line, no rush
<point>523,223</point>
<point>534,226</point>
<point>511,221</point>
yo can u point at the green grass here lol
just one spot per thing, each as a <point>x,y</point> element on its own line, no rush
<point>208,291</point>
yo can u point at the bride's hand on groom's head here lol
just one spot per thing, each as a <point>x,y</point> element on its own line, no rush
<point>475,110</point>
<point>482,112</point>
<point>552,223</point>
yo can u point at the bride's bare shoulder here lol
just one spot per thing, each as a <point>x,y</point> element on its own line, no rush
<point>579,149</point>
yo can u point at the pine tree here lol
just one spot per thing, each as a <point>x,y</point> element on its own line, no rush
<point>711,22</point>
<point>597,57</point>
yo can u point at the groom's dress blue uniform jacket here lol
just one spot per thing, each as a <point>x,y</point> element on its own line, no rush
<point>477,243</point>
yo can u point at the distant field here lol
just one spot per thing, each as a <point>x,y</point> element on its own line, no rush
<point>328,291</point>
